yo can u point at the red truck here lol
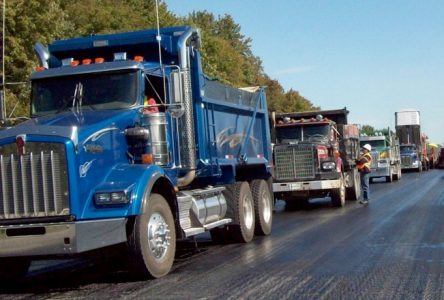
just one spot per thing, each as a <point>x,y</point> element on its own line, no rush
<point>314,156</point>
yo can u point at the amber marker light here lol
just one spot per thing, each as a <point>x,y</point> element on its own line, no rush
<point>99,60</point>
<point>147,158</point>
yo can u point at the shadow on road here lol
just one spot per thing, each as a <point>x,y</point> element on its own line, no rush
<point>48,277</point>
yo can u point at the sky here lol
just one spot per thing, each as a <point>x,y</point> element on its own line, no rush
<point>373,57</point>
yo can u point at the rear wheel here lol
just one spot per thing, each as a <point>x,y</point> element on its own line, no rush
<point>263,206</point>
<point>338,195</point>
<point>152,242</point>
<point>240,208</point>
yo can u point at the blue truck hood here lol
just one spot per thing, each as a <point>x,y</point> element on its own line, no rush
<point>75,126</point>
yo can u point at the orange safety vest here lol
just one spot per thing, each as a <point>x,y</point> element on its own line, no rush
<point>365,166</point>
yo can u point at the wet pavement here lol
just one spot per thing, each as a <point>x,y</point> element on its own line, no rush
<point>391,249</point>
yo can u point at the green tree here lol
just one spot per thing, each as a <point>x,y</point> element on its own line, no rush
<point>367,130</point>
<point>28,21</point>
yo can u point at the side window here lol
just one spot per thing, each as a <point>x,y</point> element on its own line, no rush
<point>154,94</point>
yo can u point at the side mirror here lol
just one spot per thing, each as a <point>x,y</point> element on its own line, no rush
<point>176,99</point>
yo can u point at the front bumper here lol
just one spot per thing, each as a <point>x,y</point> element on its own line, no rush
<point>380,172</point>
<point>314,185</point>
<point>60,238</point>
<point>414,165</point>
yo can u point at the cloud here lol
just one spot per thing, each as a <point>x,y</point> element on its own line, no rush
<point>294,70</point>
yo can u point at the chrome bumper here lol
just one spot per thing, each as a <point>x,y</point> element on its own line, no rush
<point>306,185</point>
<point>380,172</point>
<point>60,238</point>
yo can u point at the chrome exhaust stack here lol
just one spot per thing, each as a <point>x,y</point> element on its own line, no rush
<point>186,121</point>
<point>42,54</point>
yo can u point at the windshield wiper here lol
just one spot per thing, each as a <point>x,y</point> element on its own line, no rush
<point>78,97</point>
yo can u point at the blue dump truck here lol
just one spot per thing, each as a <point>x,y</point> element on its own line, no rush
<point>129,143</point>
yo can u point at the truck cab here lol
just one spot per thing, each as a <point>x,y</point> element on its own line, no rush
<point>385,156</point>
<point>319,136</point>
<point>410,160</point>
<point>314,156</point>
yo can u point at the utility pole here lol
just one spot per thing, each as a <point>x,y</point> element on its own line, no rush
<point>3,90</point>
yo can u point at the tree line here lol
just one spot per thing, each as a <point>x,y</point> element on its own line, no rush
<point>226,52</point>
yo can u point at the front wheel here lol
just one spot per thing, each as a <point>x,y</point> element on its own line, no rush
<point>152,242</point>
<point>338,195</point>
<point>354,192</point>
<point>263,206</point>
<point>389,178</point>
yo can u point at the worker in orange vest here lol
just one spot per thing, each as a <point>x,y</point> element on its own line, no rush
<point>364,167</point>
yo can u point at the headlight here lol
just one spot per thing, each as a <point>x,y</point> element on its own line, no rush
<point>111,198</point>
<point>328,165</point>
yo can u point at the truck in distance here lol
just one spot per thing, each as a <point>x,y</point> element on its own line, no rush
<point>386,159</point>
<point>413,144</point>
<point>129,143</point>
<point>314,156</point>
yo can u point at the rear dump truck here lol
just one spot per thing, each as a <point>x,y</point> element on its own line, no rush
<point>314,156</point>
<point>413,143</point>
<point>125,148</point>
<point>386,157</point>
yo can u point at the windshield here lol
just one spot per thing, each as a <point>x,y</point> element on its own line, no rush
<point>313,133</point>
<point>377,144</point>
<point>91,91</point>
<point>408,148</point>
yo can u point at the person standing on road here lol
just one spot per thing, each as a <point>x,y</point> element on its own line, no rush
<point>364,167</point>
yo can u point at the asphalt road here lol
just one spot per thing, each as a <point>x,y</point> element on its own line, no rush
<point>391,249</point>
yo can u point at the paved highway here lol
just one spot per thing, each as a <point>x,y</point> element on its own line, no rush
<point>391,249</point>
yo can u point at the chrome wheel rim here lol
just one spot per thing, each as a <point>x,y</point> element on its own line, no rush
<point>248,212</point>
<point>158,236</point>
<point>267,206</point>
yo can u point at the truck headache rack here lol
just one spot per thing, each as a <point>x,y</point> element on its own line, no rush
<point>34,184</point>
<point>294,162</point>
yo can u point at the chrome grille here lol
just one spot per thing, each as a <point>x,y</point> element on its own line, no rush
<point>34,184</point>
<point>294,162</point>
<point>406,160</point>
<point>375,158</point>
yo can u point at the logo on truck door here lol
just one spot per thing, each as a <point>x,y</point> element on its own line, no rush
<point>83,169</point>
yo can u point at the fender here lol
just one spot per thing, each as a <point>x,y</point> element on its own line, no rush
<point>138,180</point>
<point>339,164</point>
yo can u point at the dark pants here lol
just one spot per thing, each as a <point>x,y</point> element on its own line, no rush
<point>365,186</point>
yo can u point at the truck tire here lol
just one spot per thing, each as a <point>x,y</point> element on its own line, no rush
<point>338,195</point>
<point>354,192</point>
<point>152,242</point>
<point>397,174</point>
<point>389,178</point>
<point>263,206</point>
<point>240,208</point>
<point>13,269</point>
